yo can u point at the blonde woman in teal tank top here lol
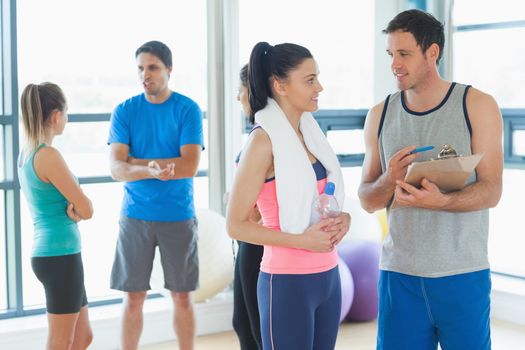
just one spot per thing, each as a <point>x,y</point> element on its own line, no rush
<point>56,203</point>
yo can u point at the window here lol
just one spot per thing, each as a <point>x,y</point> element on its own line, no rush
<point>3,262</point>
<point>2,159</point>
<point>88,48</point>
<point>473,12</point>
<point>478,47</point>
<point>90,53</point>
<point>501,65</point>
<point>506,239</point>
<point>519,143</point>
<point>84,147</point>
<point>342,51</point>
<point>347,141</point>
<point>339,34</point>
<point>99,237</point>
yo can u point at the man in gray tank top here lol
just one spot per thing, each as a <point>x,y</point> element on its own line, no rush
<point>434,283</point>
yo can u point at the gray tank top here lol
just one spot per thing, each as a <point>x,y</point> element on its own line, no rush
<point>422,242</point>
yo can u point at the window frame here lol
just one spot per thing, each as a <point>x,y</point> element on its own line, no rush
<point>344,119</point>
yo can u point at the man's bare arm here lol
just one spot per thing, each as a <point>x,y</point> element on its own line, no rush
<point>377,188</point>
<point>185,166</point>
<point>122,170</point>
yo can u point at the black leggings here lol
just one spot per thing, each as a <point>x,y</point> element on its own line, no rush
<point>63,280</point>
<point>245,308</point>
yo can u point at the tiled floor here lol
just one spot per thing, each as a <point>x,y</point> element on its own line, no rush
<point>359,336</point>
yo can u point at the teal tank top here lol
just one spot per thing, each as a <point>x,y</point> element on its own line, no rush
<point>54,232</point>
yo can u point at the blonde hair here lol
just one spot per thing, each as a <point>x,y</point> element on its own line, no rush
<point>38,102</point>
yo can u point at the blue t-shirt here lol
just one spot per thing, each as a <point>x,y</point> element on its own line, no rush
<point>154,131</point>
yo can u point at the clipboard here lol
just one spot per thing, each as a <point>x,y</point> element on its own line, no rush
<point>448,174</point>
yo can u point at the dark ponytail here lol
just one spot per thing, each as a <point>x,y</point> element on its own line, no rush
<point>267,61</point>
<point>259,78</point>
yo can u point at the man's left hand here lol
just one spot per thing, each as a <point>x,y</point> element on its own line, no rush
<point>428,196</point>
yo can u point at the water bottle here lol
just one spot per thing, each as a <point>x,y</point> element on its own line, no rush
<point>325,206</point>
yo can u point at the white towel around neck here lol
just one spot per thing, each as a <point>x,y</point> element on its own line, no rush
<point>295,178</point>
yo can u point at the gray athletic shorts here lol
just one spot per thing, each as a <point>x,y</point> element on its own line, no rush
<point>177,242</point>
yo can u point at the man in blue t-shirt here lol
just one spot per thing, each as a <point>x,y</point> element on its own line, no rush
<point>156,142</point>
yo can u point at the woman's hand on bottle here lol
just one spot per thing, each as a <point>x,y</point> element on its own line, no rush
<point>339,228</point>
<point>318,238</point>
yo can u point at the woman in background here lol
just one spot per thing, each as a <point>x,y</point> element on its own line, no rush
<point>57,203</point>
<point>245,310</point>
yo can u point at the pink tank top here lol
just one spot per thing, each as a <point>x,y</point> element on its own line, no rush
<point>281,260</point>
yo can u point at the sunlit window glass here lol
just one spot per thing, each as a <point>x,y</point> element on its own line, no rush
<point>476,11</point>
<point>90,52</point>
<point>339,33</point>
<point>474,63</point>
<point>84,147</point>
<point>2,159</point>
<point>518,143</point>
<point>3,285</point>
<point>506,223</point>
<point>346,141</point>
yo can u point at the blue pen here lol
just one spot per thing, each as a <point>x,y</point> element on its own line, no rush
<point>422,149</point>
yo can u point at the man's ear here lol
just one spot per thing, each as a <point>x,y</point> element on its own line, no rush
<point>433,51</point>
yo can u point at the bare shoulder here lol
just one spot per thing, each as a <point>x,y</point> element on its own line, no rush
<point>49,154</point>
<point>372,120</point>
<point>484,115</point>
<point>479,103</point>
<point>376,111</point>
<point>259,141</point>
<point>48,162</point>
<point>257,152</point>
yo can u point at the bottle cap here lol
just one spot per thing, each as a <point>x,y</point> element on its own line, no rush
<point>329,188</point>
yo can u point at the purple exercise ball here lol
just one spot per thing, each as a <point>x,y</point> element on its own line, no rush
<point>362,258</point>
<point>347,289</point>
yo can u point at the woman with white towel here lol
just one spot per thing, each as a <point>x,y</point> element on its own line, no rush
<point>284,166</point>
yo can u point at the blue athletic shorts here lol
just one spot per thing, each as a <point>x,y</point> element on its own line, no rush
<point>418,313</point>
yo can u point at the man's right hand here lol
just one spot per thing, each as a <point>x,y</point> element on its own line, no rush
<point>398,164</point>
<point>161,173</point>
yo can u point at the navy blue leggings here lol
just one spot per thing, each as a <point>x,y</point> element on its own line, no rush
<point>299,312</point>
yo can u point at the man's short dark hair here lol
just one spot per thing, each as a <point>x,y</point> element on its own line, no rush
<point>425,28</point>
<point>157,49</point>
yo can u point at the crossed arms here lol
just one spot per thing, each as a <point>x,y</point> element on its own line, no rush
<point>126,168</point>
